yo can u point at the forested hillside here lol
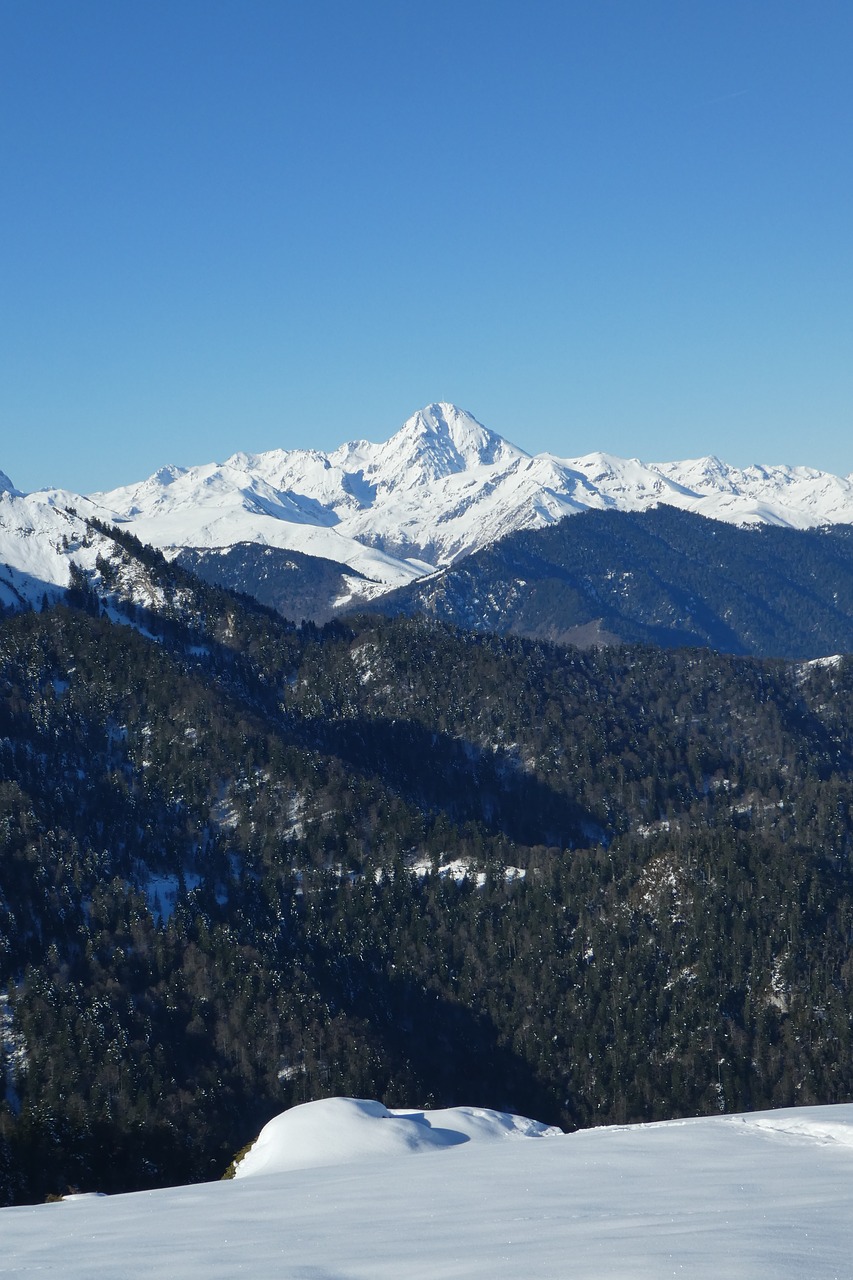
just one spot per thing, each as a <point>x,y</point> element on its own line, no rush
<point>232,877</point>
<point>297,585</point>
<point>662,577</point>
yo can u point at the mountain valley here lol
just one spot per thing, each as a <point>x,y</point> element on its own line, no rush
<point>246,864</point>
<point>430,858</point>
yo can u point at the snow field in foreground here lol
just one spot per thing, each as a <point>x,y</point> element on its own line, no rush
<point>755,1197</point>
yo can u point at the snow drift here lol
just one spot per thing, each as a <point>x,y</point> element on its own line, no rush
<point>344,1130</point>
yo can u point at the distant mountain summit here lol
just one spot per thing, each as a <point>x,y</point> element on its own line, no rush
<point>436,442</point>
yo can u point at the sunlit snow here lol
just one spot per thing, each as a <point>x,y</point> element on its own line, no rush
<point>755,1197</point>
<point>337,1131</point>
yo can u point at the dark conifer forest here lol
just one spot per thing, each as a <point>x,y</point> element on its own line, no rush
<point>245,864</point>
<point>662,577</point>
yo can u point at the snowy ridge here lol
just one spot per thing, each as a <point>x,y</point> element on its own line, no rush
<point>41,535</point>
<point>762,1197</point>
<point>44,536</point>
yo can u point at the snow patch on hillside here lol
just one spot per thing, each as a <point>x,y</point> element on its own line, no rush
<point>13,1053</point>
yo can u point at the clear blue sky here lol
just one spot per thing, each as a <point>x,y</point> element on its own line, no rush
<point>605,224</point>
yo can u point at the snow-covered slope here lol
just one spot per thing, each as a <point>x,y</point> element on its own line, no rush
<point>442,486</point>
<point>44,536</point>
<point>41,534</point>
<point>753,1197</point>
<point>265,498</point>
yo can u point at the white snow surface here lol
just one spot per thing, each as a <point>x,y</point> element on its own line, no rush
<point>441,487</point>
<point>41,534</point>
<point>767,1196</point>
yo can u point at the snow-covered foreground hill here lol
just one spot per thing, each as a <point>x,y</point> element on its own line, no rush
<point>767,1196</point>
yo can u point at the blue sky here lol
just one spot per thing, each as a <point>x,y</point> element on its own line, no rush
<point>596,225</point>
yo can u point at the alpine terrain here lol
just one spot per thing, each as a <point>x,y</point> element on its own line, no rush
<point>385,514</point>
<point>247,864</point>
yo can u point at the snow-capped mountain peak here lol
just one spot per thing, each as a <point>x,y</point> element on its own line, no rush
<point>438,441</point>
<point>6,485</point>
<point>454,437</point>
<point>442,486</point>
<point>705,475</point>
<point>375,507</point>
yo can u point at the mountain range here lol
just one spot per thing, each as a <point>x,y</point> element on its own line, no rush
<point>444,486</point>
<point>246,864</point>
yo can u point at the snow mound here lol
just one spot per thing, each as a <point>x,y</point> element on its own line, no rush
<point>345,1130</point>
